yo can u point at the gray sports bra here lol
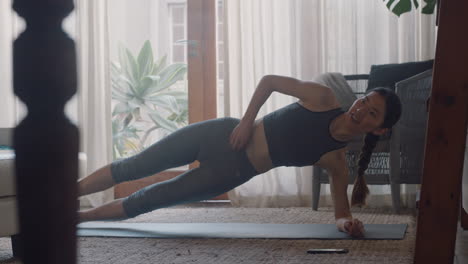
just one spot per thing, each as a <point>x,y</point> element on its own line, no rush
<point>298,137</point>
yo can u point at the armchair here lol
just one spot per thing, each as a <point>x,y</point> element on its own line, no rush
<point>8,219</point>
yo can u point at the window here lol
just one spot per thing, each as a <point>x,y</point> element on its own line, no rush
<point>220,39</point>
<point>220,56</point>
<point>178,31</point>
<point>166,23</point>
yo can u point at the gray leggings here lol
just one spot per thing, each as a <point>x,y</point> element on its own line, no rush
<point>221,168</point>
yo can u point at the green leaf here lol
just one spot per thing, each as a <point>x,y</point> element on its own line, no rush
<point>159,65</point>
<point>128,85</point>
<point>125,63</point>
<point>389,3</point>
<point>430,6</point>
<point>120,96</point>
<point>134,69</point>
<point>128,64</point>
<point>183,103</point>
<point>404,6</point>
<point>122,136</point>
<point>163,122</point>
<point>125,146</point>
<point>115,125</point>
<point>145,84</point>
<point>116,153</point>
<point>169,76</point>
<point>135,103</point>
<point>129,144</point>
<point>166,101</point>
<point>122,90</point>
<point>401,7</point>
<point>154,78</point>
<point>124,132</point>
<point>154,82</point>
<point>120,82</point>
<point>122,108</point>
<point>127,120</point>
<point>145,59</point>
<point>115,70</point>
<point>178,95</point>
<point>183,117</point>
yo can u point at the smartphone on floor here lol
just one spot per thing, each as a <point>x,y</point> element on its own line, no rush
<point>327,251</point>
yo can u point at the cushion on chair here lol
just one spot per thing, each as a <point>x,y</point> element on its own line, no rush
<point>337,82</point>
<point>386,75</point>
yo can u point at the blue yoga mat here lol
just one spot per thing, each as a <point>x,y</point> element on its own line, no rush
<point>235,230</point>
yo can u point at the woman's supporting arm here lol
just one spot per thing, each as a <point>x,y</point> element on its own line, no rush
<point>339,185</point>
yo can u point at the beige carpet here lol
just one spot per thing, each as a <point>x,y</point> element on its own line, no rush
<point>149,250</point>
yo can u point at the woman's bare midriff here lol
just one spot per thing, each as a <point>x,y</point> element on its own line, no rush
<point>257,149</point>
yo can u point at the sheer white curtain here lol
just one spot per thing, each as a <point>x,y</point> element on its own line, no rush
<point>11,109</point>
<point>93,102</point>
<point>303,38</point>
<point>6,94</point>
<point>90,108</point>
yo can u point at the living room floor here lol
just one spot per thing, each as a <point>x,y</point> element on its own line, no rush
<point>121,250</point>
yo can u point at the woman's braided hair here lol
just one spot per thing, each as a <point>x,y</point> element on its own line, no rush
<point>392,115</point>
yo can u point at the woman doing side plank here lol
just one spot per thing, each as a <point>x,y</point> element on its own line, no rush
<point>312,131</point>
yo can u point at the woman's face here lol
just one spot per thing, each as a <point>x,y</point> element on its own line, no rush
<point>367,114</point>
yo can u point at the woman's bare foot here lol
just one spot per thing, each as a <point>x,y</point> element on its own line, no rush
<point>111,211</point>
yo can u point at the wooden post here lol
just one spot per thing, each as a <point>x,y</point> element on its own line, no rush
<point>45,142</point>
<point>445,142</point>
<point>201,50</point>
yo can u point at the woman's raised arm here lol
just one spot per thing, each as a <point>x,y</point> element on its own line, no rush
<point>308,92</point>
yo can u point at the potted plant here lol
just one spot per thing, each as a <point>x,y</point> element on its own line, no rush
<point>144,99</point>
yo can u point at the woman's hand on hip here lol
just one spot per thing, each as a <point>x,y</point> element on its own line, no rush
<point>241,134</point>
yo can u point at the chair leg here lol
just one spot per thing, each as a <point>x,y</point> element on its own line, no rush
<point>316,187</point>
<point>16,246</point>
<point>395,188</point>
<point>395,170</point>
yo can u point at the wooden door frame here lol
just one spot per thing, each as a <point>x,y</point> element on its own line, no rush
<point>201,31</point>
<point>201,75</point>
<point>439,206</point>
